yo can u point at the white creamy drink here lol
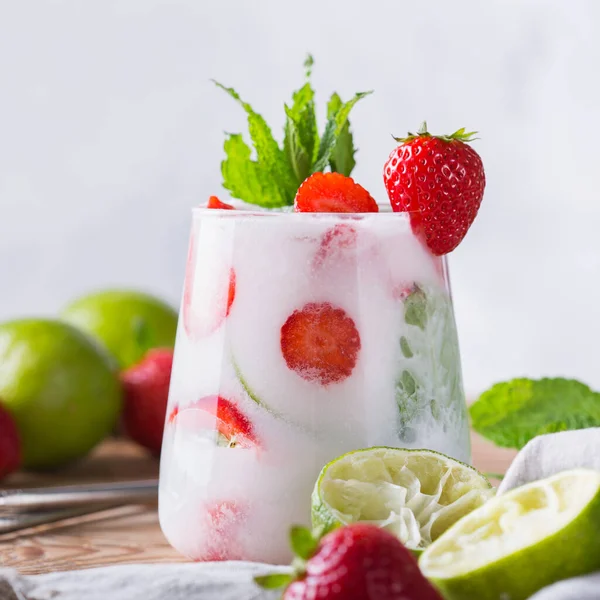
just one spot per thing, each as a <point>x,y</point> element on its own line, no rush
<point>302,336</point>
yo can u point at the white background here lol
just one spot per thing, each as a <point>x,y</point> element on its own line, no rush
<point>110,130</point>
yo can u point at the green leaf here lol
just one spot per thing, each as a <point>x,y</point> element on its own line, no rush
<point>405,347</point>
<point>335,124</point>
<point>407,397</point>
<point>308,64</point>
<point>415,308</point>
<point>271,164</point>
<point>273,581</point>
<point>512,413</point>
<point>334,105</point>
<point>342,156</point>
<point>241,175</point>
<point>303,542</point>
<point>301,137</point>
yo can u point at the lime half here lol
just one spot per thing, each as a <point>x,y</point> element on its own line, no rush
<point>521,541</point>
<point>414,494</point>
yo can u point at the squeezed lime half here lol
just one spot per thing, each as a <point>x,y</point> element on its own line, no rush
<point>521,541</point>
<point>414,494</point>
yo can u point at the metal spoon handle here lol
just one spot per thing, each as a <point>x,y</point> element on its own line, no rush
<point>18,522</point>
<point>47,498</point>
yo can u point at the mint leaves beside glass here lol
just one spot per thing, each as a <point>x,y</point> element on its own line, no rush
<point>514,412</point>
<point>269,175</point>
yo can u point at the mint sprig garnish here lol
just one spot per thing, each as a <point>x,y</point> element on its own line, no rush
<point>271,175</point>
<point>271,179</point>
<point>514,412</point>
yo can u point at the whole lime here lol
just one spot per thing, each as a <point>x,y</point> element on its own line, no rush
<point>127,323</point>
<point>60,386</point>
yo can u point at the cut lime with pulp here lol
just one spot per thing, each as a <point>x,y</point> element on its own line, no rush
<point>414,494</point>
<point>521,541</point>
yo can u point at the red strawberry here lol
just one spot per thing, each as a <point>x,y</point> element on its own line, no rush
<point>214,202</point>
<point>215,413</point>
<point>224,522</point>
<point>356,562</point>
<point>333,193</point>
<point>337,240</point>
<point>10,444</point>
<point>320,342</point>
<point>204,310</point>
<point>439,181</point>
<point>146,387</point>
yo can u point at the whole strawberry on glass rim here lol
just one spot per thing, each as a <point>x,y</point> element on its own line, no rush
<point>439,181</point>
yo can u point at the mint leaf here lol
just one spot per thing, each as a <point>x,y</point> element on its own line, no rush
<point>301,136</point>
<point>512,413</point>
<point>342,156</point>
<point>308,64</point>
<point>243,176</point>
<point>273,581</point>
<point>302,541</point>
<point>415,308</point>
<point>407,397</point>
<point>270,164</point>
<point>405,347</point>
<point>333,129</point>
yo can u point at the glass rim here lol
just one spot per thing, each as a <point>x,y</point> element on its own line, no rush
<point>243,212</point>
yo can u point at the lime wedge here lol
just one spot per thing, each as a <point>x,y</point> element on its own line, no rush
<point>414,494</point>
<point>521,541</point>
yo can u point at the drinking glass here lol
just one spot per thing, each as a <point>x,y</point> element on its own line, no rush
<point>301,336</point>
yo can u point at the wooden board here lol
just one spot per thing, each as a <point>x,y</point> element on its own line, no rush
<point>128,534</point>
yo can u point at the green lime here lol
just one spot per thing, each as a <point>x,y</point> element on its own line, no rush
<point>414,494</point>
<point>128,323</point>
<point>521,541</point>
<point>60,386</point>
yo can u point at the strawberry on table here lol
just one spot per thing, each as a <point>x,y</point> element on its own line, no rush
<point>333,193</point>
<point>356,562</point>
<point>439,181</point>
<point>146,392</point>
<point>214,202</point>
<point>215,413</point>
<point>10,444</point>
<point>320,343</point>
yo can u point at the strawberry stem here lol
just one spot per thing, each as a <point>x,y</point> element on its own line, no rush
<point>460,135</point>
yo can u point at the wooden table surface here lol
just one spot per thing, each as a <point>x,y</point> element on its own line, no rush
<point>128,534</point>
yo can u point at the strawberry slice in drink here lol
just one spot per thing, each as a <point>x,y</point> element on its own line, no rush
<point>320,343</point>
<point>217,414</point>
<point>336,242</point>
<point>223,522</point>
<point>208,294</point>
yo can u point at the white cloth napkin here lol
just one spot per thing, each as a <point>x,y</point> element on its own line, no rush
<point>194,581</point>
<point>542,457</point>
